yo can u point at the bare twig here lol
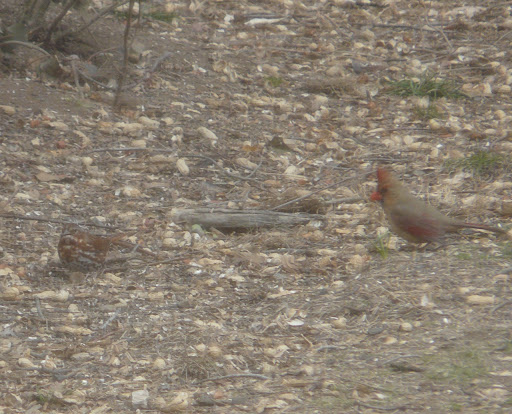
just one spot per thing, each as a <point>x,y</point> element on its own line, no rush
<point>122,74</point>
<point>501,305</point>
<point>57,20</point>
<point>87,25</point>
<point>86,77</point>
<point>38,307</point>
<point>375,407</point>
<point>127,149</point>
<point>59,374</point>
<point>329,348</point>
<point>109,320</point>
<point>444,35</point>
<point>159,61</point>
<point>77,80</point>
<point>135,247</point>
<point>257,376</point>
<point>503,36</point>
<point>26,44</point>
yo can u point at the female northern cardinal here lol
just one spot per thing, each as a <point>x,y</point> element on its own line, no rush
<point>410,217</point>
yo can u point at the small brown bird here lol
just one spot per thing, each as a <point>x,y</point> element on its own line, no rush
<point>82,251</point>
<point>413,219</point>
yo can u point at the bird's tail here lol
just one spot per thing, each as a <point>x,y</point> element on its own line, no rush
<point>483,227</point>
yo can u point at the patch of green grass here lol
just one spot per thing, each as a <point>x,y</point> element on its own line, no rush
<point>506,249</point>
<point>121,15</point>
<point>480,163</point>
<point>274,81</point>
<point>44,397</point>
<point>473,251</point>
<point>430,112</point>
<point>456,407</point>
<point>381,245</point>
<point>459,366</point>
<point>427,85</point>
<point>464,256</point>
<point>163,16</point>
<point>508,348</point>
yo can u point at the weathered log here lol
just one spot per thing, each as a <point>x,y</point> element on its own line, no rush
<point>240,219</point>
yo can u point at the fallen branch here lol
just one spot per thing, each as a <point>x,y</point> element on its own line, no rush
<point>240,219</point>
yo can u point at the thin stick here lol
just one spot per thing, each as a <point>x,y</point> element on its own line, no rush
<point>26,44</point>
<point>375,407</point>
<point>87,25</point>
<point>56,21</point>
<point>337,183</point>
<point>136,247</point>
<point>444,35</point>
<point>257,376</point>
<point>86,77</point>
<point>329,348</point>
<point>125,149</point>
<point>159,61</point>
<point>38,307</point>
<point>501,305</point>
<point>170,260</point>
<point>122,74</point>
<point>77,80</point>
<point>109,320</point>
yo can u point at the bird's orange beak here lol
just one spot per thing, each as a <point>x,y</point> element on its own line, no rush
<point>376,196</point>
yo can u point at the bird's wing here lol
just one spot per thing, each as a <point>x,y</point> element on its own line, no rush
<point>422,227</point>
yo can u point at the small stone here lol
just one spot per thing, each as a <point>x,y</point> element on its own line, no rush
<point>8,110</point>
<point>480,300</point>
<point>406,327</point>
<point>140,398</point>
<point>340,323</point>
<point>375,330</point>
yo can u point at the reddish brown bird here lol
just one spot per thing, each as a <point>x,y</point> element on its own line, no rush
<point>411,218</point>
<point>79,250</point>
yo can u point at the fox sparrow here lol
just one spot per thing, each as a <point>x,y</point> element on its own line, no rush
<point>82,251</point>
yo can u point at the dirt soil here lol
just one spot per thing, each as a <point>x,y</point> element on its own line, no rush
<point>247,105</point>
